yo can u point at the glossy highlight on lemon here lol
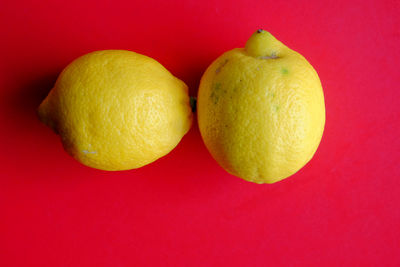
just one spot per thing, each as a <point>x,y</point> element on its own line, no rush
<point>261,110</point>
<point>117,110</point>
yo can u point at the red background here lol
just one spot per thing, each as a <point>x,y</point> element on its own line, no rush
<point>341,209</point>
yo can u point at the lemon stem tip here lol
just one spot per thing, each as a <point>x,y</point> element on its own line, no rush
<point>193,102</point>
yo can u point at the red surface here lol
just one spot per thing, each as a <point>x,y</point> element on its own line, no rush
<point>342,209</point>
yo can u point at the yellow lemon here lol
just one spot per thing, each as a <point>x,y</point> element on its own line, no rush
<point>261,110</point>
<point>117,110</point>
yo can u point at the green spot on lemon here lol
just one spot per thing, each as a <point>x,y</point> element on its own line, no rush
<point>284,71</point>
<point>214,93</point>
<point>193,102</point>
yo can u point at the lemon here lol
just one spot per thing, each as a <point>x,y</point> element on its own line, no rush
<point>261,110</point>
<point>117,110</point>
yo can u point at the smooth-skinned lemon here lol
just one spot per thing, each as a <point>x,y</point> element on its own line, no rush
<point>117,110</point>
<point>261,110</point>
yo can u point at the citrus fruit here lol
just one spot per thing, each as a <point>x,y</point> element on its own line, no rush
<point>261,110</point>
<point>117,110</point>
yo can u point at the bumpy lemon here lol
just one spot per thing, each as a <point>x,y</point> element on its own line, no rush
<point>117,110</point>
<point>261,110</point>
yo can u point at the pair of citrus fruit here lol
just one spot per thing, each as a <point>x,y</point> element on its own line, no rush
<point>260,110</point>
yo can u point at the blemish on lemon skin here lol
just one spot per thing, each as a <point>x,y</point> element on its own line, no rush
<point>284,71</point>
<point>272,56</point>
<point>276,108</point>
<point>218,70</point>
<point>214,94</point>
<point>89,152</point>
